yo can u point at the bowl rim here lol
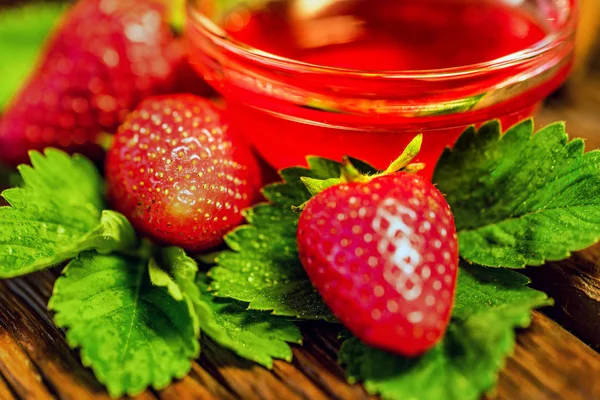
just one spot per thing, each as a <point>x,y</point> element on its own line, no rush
<point>545,46</point>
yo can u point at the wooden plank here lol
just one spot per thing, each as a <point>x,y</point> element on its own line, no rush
<point>550,363</point>
<point>251,381</point>
<point>44,344</point>
<point>17,369</point>
<point>317,360</point>
<point>575,286</point>
<point>191,388</point>
<point>5,392</point>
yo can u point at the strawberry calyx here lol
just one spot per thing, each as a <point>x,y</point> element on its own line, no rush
<point>349,173</point>
<point>175,11</point>
<point>402,164</point>
<point>105,140</point>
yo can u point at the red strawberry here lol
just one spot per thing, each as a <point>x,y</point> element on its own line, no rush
<point>104,58</point>
<point>384,256</point>
<point>178,174</point>
<point>187,79</point>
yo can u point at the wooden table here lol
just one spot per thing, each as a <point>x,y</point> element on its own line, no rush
<point>548,363</point>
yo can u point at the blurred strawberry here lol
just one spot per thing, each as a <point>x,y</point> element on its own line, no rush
<point>105,57</point>
<point>186,78</point>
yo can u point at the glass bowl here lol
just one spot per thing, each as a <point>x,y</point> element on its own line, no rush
<point>289,108</point>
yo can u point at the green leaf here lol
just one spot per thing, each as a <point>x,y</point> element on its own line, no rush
<point>254,335</point>
<point>173,270</point>
<point>490,289</point>
<point>263,268</point>
<point>161,278</point>
<point>71,179</point>
<point>57,214</point>
<point>23,30</point>
<point>520,199</point>
<point>114,233</point>
<point>490,304</point>
<point>131,333</point>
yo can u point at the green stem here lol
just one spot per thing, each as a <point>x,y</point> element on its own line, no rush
<point>105,140</point>
<point>350,173</point>
<point>407,155</point>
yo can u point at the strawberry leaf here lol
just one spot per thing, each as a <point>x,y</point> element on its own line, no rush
<point>173,270</point>
<point>131,333</point>
<point>22,33</point>
<point>520,199</point>
<point>262,267</point>
<point>56,214</point>
<point>490,304</point>
<point>254,335</point>
<point>481,289</point>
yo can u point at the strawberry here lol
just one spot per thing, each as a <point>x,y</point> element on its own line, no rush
<point>383,253</point>
<point>104,58</point>
<point>178,173</point>
<point>187,79</point>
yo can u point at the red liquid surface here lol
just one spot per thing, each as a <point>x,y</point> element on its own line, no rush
<point>390,35</point>
<point>382,35</point>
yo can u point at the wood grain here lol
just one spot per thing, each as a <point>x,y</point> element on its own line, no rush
<point>18,371</point>
<point>35,362</point>
<point>575,286</point>
<point>550,363</point>
<point>5,392</point>
<point>195,387</point>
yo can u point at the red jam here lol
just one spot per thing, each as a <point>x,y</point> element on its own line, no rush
<point>292,113</point>
<point>392,35</point>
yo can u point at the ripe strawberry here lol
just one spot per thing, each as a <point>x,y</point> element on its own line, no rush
<point>187,79</point>
<point>104,58</point>
<point>384,256</point>
<point>178,174</point>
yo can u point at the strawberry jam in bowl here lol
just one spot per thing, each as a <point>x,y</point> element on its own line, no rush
<point>363,77</point>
